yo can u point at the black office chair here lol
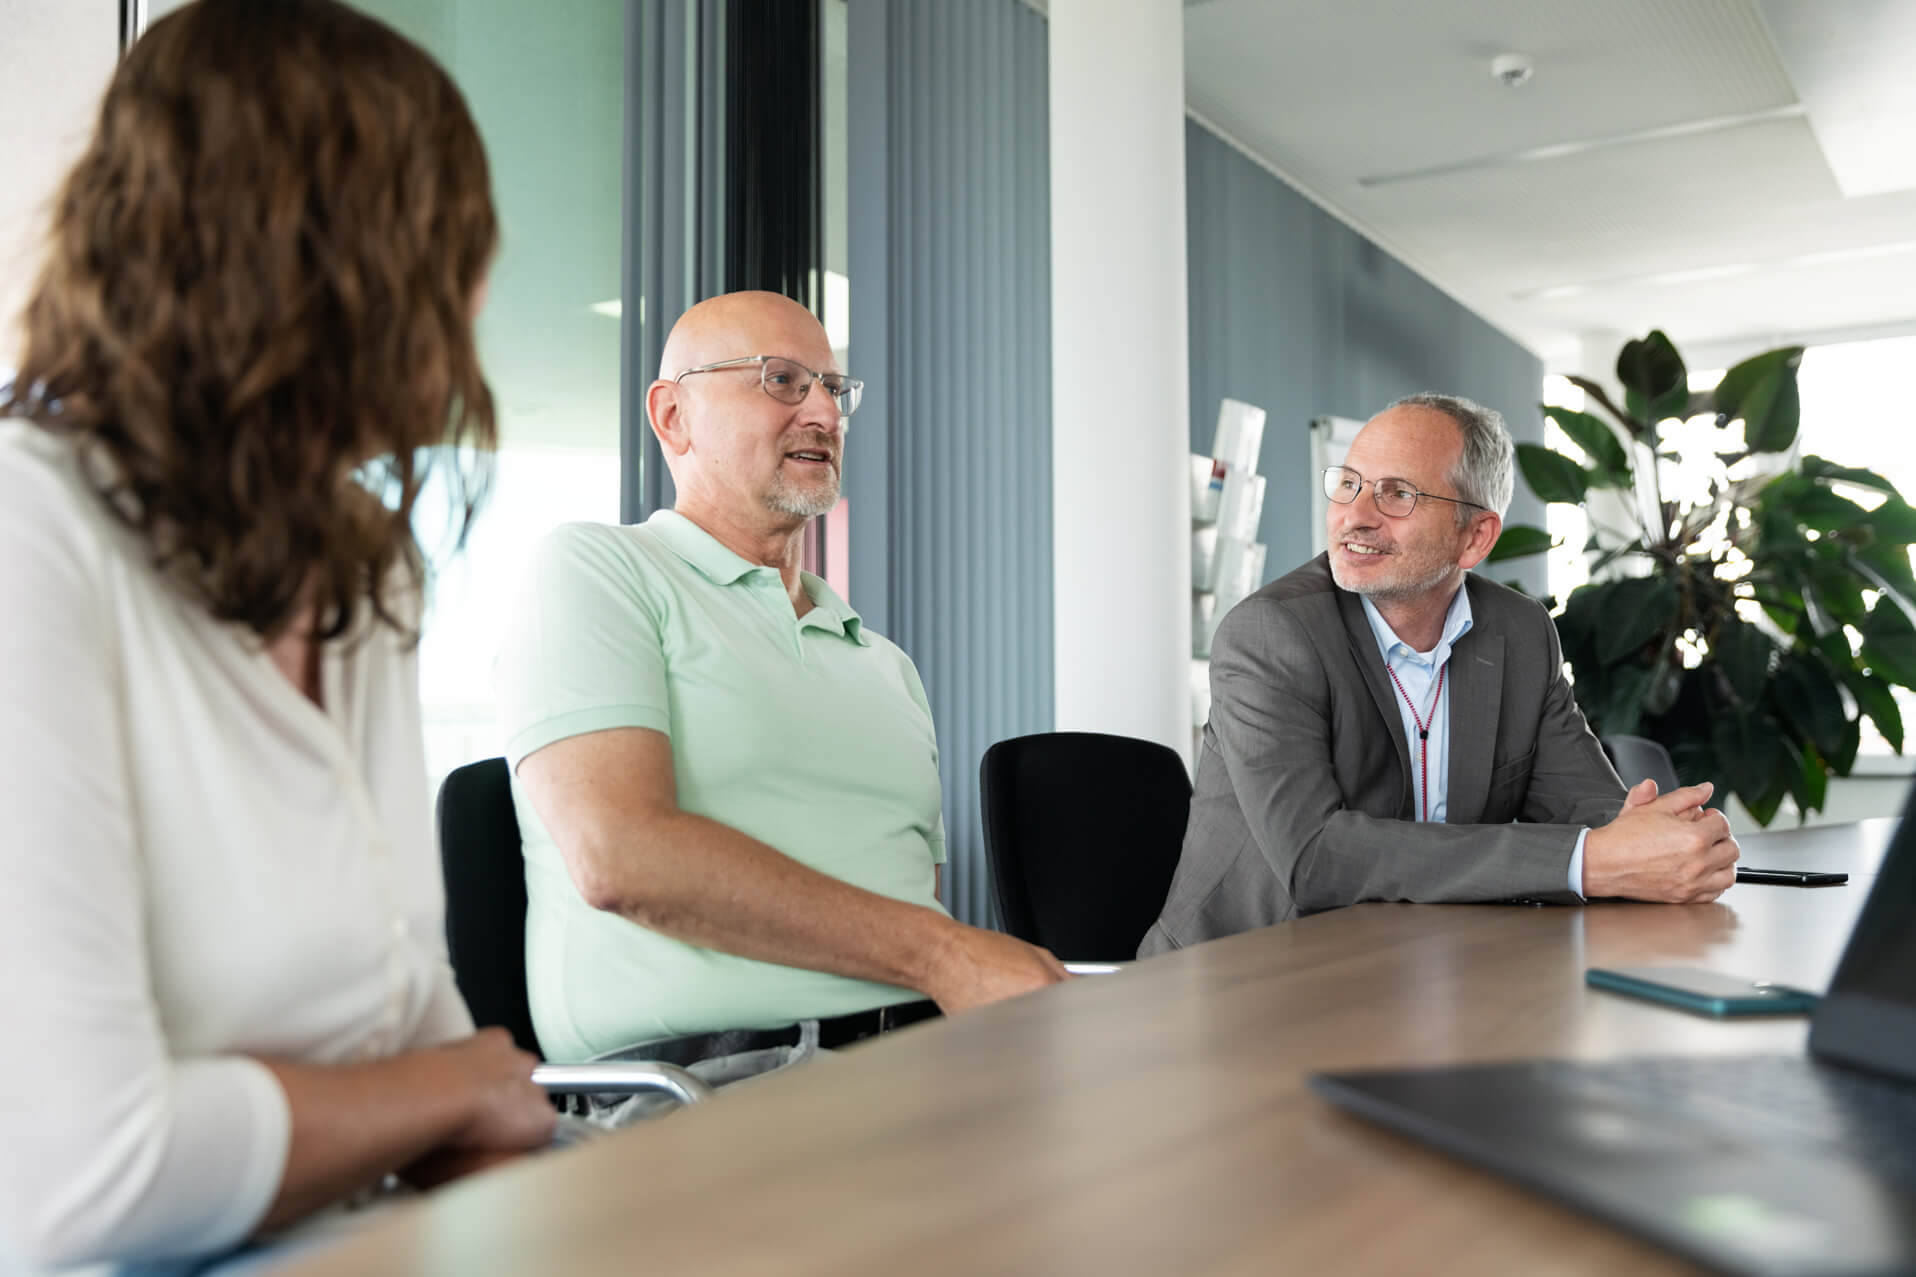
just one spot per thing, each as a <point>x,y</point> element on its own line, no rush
<point>1638,758</point>
<point>1083,833</point>
<point>484,869</point>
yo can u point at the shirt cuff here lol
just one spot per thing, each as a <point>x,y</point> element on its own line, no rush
<point>1576,864</point>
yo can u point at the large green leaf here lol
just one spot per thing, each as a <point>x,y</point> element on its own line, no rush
<point>1599,443</point>
<point>1596,394</point>
<point>1655,383</point>
<point>1517,540</point>
<point>1733,392</point>
<point>1769,404</point>
<point>1845,758</point>
<point>1811,504</point>
<point>1776,531</point>
<point>1811,702</point>
<point>1756,763</point>
<point>1578,627</point>
<point>1835,649</point>
<point>1743,653</point>
<point>1818,468</point>
<point>1891,523</point>
<point>1837,587</point>
<point>1762,808</point>
<point>1874,698</point>
<point>1889,642</point>
<point>1813,787</point>
<point>1616,700</point>
<point>1551,475</point>
<point>1887,567</point>
<point>1635,610</point>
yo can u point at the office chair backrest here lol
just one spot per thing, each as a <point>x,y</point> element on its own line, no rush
<point>1083,833</point>
<point>484,868</point>
<point>1638,758</point>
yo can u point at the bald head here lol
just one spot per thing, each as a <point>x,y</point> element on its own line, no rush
<point>737,325</point>
<point>750,464</point>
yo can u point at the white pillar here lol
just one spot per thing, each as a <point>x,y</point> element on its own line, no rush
<point>1121,525</point>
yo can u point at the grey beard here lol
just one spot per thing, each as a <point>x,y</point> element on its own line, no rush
<point>786,498</point>
<point>1395,591</point>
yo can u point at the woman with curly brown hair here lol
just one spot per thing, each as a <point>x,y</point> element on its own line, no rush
<point>227,997</point>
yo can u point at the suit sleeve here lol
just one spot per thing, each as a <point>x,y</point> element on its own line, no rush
<point>1571,782</point>
<point>1271,715</point>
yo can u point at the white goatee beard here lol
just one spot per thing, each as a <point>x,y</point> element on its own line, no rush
<point>803,503</point>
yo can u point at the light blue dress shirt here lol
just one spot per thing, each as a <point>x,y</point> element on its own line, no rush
<point>1417,674</point>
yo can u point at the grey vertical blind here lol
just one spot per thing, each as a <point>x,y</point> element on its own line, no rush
<point>674,209</point>
<point>949,462</point>
<point>1294,311</point>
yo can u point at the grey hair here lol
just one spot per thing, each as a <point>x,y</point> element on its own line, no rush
<point>1483,471</point>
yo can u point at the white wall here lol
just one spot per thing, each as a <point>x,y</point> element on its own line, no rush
<point>55,59</point>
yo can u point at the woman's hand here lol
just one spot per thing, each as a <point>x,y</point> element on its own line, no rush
<point>509,1113</point>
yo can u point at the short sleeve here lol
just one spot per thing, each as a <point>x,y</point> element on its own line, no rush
<point>916,686</point>
<point>583,649</point>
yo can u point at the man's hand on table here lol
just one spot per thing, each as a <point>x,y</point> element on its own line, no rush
<point>1670,849</point>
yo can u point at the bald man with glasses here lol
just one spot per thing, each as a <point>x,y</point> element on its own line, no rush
<point>727,784</point>
<point>1386,726</point>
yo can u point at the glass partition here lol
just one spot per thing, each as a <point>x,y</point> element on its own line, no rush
<point>545,84</point>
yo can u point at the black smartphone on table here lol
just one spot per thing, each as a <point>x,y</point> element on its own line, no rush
<point>1791,877</point>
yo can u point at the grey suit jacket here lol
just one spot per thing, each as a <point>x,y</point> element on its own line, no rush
<point>1303,800</point>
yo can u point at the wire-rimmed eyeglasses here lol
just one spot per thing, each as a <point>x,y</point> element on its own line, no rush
<point>1394,497</point>
<point>789,381</point>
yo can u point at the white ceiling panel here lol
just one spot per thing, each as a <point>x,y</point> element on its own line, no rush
<point>1659,167</point>
<point>1850,64</point>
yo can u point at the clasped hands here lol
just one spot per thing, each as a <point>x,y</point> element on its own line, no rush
<point>1669,848</point>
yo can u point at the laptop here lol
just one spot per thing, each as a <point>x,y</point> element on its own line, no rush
<point>1749,1164</point>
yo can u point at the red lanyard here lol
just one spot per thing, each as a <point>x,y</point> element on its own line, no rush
<point>1423,731</point>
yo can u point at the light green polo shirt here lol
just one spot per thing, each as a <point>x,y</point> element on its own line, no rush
<point>809,733</point>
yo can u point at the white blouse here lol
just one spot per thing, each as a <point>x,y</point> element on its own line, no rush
<point>197,866</point>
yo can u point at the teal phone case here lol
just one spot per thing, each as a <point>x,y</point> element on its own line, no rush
<point>1701,992</point>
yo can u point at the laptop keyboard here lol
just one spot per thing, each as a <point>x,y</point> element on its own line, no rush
<point>1781,1098</point>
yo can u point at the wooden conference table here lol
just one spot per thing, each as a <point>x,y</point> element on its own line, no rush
<point>1155,1120</point>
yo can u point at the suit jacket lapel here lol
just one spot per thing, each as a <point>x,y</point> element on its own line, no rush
<point>1371,662</point>
<point>1476,693</point>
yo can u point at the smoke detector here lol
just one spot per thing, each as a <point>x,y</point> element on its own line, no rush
<point>1512,69</point>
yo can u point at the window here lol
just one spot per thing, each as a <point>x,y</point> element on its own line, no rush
<point>547,91</point>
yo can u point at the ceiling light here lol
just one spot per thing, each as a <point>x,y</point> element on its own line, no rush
<point>610,309</point>
<point>1698,274</point>
<point>1835,256</point>
<point>1512,69</point>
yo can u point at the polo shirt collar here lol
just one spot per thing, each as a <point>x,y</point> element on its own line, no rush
<point>709,557</point>
<point>826,603</point>
<point>699,548</point>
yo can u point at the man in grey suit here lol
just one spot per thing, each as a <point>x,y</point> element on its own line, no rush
<point>1386,726</point>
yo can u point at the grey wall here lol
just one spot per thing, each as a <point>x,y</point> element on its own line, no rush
<point>1297,313</point>
<point>948,463</point>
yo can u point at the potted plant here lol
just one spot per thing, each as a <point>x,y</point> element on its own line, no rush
<point>1763,616</point>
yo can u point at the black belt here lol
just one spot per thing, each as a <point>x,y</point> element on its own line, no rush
<point>839,1030</point>
<point>843,1030</point>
